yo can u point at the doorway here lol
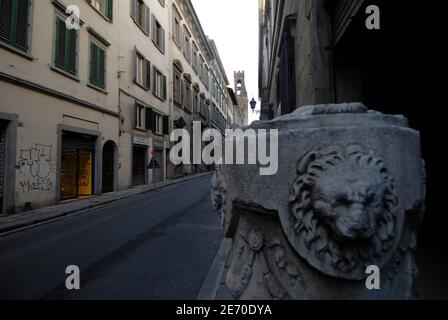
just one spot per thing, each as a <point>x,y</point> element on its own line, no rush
<point>77,165</point>
<point>108,174</point>
<point>139,165</point>
<point>158,171</point>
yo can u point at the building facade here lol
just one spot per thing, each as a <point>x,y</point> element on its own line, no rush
<point>59,108</point>
<point>143,70</point>
<point>91,90</point>
<point>197,80</point>
<point>320,51</point>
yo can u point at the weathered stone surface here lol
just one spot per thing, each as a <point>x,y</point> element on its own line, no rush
<point>349,193</point>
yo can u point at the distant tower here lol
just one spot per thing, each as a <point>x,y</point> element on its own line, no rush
<point>241,95</point>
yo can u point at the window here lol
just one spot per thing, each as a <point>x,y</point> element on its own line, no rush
<point>177,82</point>
<point>142,71</point>
<point>141,15</point>
<point>105,7</point>
<point>97,65</point>
<point>65,48</point>
<point>203,107</point>
<point>196,106</point>
<point>159,86</point>
<point>201,68</point>
<point>206,77</point>
<point>139,117</point>
<point>187,45</point>
<point>158,34</point>
<point>176,27</point>
<point>14,23</point>
<point>156,122</point>
<point>187,96</point>
<point>195,58</point>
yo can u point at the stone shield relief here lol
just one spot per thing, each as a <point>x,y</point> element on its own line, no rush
<point>343,211</point>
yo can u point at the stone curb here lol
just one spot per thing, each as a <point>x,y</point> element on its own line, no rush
<point>212,281</point>
<point>38,216</point>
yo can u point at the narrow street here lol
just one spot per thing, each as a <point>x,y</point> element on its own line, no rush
<point>158,245</point>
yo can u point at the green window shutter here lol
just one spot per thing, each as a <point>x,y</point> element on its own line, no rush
<point>110,9</point>
<point>101,68</point>
<point>147,20</point>
<point>6,20</point>
<point>72,40</point>
<point>134,9</point>
<point>166,125</point>
<point>20,35</point>
<point>60,44</point>
<point>164,88</point>
<point>14,22</point>
<point>93,63</point>
<point>154,119</point>
<point>147,78</point>
<point>149,115</point>
<point>97,65</point>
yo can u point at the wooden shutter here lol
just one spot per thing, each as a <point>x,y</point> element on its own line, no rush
<point>21,26</point>
<point>149,114</point>
<point>135,64</point>
<point>134,9</point>
<point>6,16</point>
<point>163,40</point>
<point>93,63</point>
<point>147,75</point>
<point>154,81</point>
<point>110,9</point>
<point>181,38</point>
<point>164,94</point>
<point>153,28</point>
<point>101,68</point>
<point>166,125</point>
<point>60,44</point>
<point>72,50</point>
<point>147,26</point>
<point>136,116</point>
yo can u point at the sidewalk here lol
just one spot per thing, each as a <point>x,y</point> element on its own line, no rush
<point>20,220</point>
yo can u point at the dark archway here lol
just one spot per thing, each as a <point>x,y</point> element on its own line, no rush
<point>109,163</point>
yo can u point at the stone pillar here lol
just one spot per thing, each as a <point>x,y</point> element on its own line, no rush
<point>349,193</point>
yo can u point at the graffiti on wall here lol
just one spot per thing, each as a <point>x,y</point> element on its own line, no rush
<point>36,168</point>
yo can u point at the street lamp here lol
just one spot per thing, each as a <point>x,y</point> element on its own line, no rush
<point>253,104</point>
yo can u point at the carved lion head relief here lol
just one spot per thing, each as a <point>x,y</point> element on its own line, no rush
<point>344,206</point>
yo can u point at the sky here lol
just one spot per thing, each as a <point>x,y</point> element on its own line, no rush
<point>233,24</point>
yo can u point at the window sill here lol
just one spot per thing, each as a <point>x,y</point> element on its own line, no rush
<point>141,86</point>
<point>160,98</point>
<point>94,87</point>
<point>16,51</point>
<point>65,73</point>
<point>140,129</point>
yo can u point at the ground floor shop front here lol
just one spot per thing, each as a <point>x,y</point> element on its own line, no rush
<point>54,150</point>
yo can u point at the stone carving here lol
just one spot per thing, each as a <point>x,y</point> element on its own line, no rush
<point>264,266</point>
<point>218,191</point>
<point>349,193</point>
<point>345,208</point>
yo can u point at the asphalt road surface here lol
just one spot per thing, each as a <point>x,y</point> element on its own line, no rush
<point>158,245</point>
